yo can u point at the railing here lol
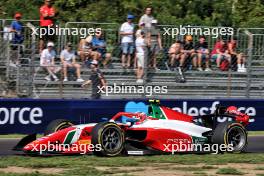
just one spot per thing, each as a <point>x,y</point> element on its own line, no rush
<point>251,43</point>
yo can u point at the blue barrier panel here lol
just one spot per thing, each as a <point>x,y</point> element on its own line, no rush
<point>33,115</point>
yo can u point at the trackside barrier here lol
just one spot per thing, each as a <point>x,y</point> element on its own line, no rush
<point>33,115</point>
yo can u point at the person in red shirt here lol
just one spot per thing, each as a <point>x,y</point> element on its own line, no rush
<point>220,52</point>
<point>47,15</point>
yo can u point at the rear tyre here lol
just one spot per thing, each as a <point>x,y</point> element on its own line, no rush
<point>110,137</point>
<point>57,125</point>
<point>230,133</point>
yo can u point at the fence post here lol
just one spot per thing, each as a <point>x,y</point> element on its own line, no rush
<point>249,61</point>
<point>145,76</point>
<point>8,50</point>
<point>32,63</point>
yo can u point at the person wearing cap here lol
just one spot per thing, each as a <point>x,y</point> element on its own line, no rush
<point>68,60</point>
<point>99,46</point>
<point>147,17</point>
<point>127,41</point>
<point>17,28</point>
<point>220,52</point>
<point>47,61</point>
<point>154,43</point>
<point>202,54</point>
<point>47,15</point>
<point>96,79</point>
<point>85,50</point>
<point>188,51</point>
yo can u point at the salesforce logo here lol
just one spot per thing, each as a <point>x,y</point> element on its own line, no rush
<point>132,106</point>
<point>192,111</point>
<point>23,115</point>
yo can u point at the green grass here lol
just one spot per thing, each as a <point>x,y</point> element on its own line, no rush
<point>259,168</point>
<point>86,165</point>
<point>200,173</point>
<point>26,174</point>
<point>256,133</point>
<point>229,171</point>
<point>79,161</point>
<point>16,136</point>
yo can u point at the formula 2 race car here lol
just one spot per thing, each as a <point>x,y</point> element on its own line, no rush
<point>161,131</point>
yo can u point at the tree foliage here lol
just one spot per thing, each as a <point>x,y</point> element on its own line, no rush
<point>235,13</point>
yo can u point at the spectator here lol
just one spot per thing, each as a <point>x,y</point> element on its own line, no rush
<point>138,34</point>
<point>17,29</point>
<point>147,17</point>
<point>188,52</point>
<point>127,43</point>
<point>175,53</point>
<point>154,42</point>
<point>47,15</point>
<point>238,58</point>
<point>140,54</point>
<point>85,50</point>
<point>96,79</point>
<point>141,27</point>
<point>68,60</point>
<point>47,61</point>
<point>220,53</point>
<point>202,51</point>
<point>99,44</point>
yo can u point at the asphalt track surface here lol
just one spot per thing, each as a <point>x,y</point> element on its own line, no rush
<point>255,145</point>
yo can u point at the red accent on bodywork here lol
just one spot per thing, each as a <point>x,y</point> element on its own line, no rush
<point>58,138</point>
<point>174,115</point>
<point>165,139</point>
<point>240,117</point>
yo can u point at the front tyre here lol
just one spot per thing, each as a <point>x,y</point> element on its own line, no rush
<point>110,137</point>
<point>231,134</point>
<point>57,125</point>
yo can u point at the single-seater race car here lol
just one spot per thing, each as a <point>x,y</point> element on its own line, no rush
<point>160,131</point>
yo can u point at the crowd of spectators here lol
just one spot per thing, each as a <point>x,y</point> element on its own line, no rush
<point>198,55</point>
<point>138,42</point>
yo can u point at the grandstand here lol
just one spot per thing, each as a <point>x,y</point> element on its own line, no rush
<point>26,79</point>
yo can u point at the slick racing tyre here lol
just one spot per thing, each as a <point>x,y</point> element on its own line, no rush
<point>57,125</point>
<point>110,137</point>
<point>230,133</point>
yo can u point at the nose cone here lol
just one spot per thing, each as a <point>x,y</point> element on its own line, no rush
<point>32,147</point>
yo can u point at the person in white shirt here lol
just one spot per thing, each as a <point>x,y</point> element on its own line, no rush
<point>47,61</point>
<point>140,54</point>
<point>138,34</point>
<point>147,17</point>
<point>68,59</point>
<point>127,42</point>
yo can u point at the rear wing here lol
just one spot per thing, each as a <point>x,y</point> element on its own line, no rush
<point>210,120</point>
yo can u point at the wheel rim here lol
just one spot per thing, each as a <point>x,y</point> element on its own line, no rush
<point>111,140</point>
<point>237,138</point>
